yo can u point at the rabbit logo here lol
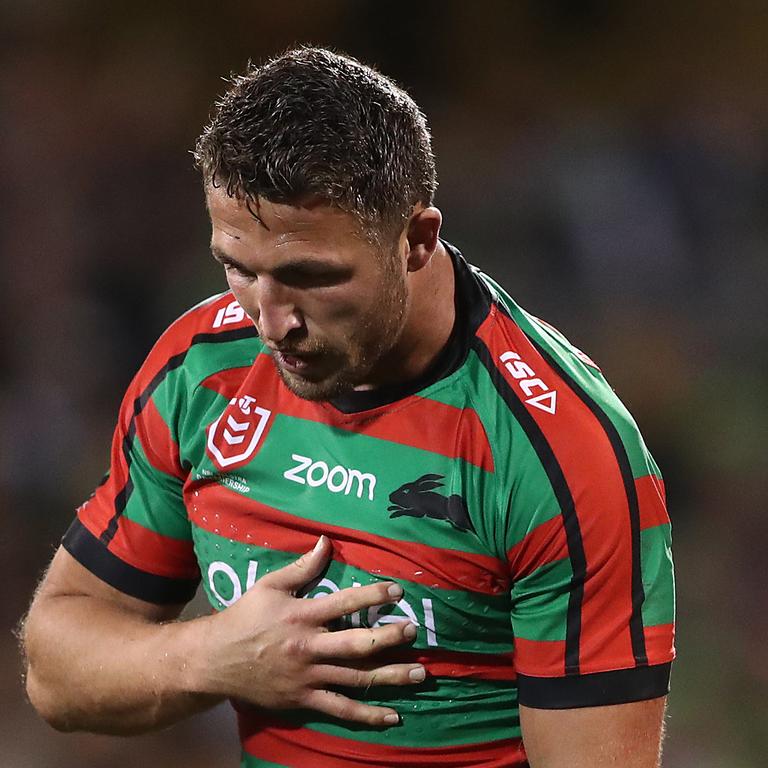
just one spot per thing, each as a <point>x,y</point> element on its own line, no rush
<point>418,499</point>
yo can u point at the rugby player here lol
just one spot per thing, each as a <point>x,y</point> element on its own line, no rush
<point>487,577</point>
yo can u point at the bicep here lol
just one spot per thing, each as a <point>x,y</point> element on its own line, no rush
<point>66,577</point>
<point>626,735</point>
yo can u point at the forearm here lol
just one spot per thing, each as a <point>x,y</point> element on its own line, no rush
<point>100,660</point>
<point>92,666</point>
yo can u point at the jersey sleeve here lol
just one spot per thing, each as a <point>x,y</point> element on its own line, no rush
<point>593,604</point>
<point>134,532</point>
<point>587,535</point>
<point>593,594</point>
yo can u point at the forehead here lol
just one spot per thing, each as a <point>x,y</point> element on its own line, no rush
<point>265,221</point>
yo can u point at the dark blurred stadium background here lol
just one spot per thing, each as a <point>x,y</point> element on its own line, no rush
<point>607,161</point>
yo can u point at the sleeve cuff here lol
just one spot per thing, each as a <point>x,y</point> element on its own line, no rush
<point>593,690</point>
<point>90,552</point>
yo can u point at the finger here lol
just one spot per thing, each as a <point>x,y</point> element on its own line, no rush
<point>338,705</point>
<point>292,577</point>
<point>349,677</point>
<point>346,601</point>
<point>360,643</point>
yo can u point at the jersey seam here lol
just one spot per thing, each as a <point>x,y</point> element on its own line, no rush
<point>500,492</point>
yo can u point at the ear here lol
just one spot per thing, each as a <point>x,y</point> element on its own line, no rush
<point>422,233</point>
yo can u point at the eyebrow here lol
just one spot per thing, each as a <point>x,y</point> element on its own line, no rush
<point>222,258</point>
<point>301,267</point>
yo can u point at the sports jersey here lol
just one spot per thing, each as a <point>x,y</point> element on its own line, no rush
<point>507,490</point>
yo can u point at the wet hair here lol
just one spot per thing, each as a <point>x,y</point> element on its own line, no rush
<point>315,124</point>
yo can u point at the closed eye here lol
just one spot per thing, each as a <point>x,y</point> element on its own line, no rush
<point>238,270</point>
<point>312,275</point>
<point>304,273</point>
<point>230,265</point>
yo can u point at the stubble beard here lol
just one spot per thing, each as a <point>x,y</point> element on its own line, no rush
<point>380,330</point>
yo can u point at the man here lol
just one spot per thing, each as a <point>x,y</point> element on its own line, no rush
<point>480,516</point>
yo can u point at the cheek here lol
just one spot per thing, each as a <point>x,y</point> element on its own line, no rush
<point>245,298</point>
<point>333,314</point>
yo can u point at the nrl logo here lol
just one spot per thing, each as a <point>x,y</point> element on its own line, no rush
<point>234,436</point>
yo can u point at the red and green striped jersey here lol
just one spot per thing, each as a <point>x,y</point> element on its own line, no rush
<point>507,490</point>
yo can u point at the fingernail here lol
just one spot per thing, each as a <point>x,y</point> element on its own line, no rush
<point>318,545</point>
<point>418,674</point>
<point>392,719</point>
<point>395,591</point>
<point>409,631</point>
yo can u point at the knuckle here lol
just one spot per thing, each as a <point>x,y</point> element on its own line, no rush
<point>369,716</point>
<point>297,647</point>
<point>368,641</point>
<point>266,581</point>
<point>360,679</point>
<point>346,708</point>
<point>293,701</point>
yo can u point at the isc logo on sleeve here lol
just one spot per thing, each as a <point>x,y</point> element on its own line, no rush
<point>235,435</point>
<point>232,313</point>
<point>529,382</point>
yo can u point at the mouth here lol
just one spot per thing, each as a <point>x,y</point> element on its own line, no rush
<point>294,363</point>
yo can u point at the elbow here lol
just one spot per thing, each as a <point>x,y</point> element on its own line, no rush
<point>47,704</point>
<point>48,693</point>
<point>41,690</point>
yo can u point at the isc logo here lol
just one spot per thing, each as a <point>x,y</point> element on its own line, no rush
<point>232,313</point>
<point>526,378</point>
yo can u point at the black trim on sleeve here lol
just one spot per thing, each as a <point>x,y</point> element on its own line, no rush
<point>595,690</point>
<point>92,553</point>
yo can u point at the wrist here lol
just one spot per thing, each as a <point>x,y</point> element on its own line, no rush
<point>185,657</point>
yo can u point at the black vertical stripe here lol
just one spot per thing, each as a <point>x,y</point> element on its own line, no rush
<point>124,494</point>
<point>564,498</point>
<point>636,630</point>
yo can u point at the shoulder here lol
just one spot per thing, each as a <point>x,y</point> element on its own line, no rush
<point>218,319</point>
<point>547,403</point>
<point>537,370</point>
<point>219,323</point>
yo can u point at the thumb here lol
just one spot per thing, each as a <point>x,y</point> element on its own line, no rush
<point>292,577</point>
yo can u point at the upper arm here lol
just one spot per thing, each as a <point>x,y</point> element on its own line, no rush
<point>626,735</point>
<point>66,577</point>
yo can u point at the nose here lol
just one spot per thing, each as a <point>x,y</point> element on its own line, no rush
<point>278,314</point>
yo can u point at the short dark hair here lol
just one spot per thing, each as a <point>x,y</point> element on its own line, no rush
<point>312,123</point>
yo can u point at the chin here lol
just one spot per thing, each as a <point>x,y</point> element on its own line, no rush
<point>324,389</point>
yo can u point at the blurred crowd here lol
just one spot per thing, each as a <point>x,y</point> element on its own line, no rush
<point>607,163</point>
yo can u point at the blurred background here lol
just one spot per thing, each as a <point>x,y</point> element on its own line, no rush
<point>606,161</point>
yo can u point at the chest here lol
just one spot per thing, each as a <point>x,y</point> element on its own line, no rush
<point>403,495</point>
